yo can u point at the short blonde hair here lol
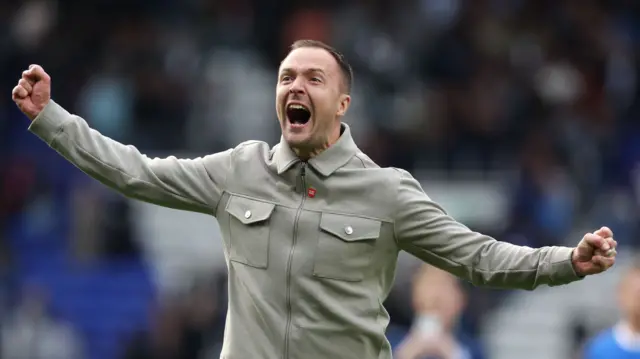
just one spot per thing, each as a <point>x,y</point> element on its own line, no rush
<point>345,67</point>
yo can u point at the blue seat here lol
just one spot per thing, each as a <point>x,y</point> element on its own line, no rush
<point>102,303</point>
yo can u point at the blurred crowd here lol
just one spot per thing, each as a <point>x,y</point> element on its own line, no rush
<point>542,92</point>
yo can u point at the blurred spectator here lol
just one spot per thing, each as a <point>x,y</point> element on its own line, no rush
<point>31,331</point>
<point>623,340</point>
<point>6,276</point>
<point>184,326</point>
<point>438,301</point>
<point>102,226</point>
<point>164,339</point>
<point>544,202</point>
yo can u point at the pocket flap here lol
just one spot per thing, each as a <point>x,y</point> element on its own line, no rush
<point>249,211</point>
<point>350,228</point>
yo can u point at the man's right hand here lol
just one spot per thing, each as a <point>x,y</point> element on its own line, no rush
<point>33,91</point>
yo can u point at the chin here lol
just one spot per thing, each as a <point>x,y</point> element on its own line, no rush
<point>297,140</point>
<point>300,141</point>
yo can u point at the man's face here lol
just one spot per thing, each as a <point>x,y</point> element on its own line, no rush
<point>310,98</point>
<point>629,294</point>
<point>437,292</point>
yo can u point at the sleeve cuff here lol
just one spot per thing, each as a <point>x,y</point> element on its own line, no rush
<point>49,122</point>
<point>561,267</point>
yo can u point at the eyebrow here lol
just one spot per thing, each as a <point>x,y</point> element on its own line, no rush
<point>310,70</point>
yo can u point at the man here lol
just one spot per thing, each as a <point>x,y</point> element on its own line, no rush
<point>438,302</point>
<point>623,340</point>
<point>311,227</point>
<point>31,331</point>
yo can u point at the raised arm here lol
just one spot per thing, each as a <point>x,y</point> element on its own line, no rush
<point>188,184</point>
<point>423,229</point>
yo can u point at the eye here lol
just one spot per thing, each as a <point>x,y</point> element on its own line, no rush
<point>316,79</point>
<point>285,78</point>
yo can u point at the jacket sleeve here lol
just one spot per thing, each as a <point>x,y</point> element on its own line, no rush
<point>423,229</point>
<point>187,184</point>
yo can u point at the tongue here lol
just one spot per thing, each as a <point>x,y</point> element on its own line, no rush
<point>298,116</point>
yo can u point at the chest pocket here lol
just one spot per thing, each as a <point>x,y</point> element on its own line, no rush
<point>345,246</point>
<point>249,230</point>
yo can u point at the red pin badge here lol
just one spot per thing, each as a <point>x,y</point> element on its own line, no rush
<point>311,192</point>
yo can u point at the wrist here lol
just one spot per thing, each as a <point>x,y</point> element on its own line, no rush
<point>574,264</point>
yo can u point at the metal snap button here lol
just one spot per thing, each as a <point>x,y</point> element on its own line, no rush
<point>348,230</point>
<point>247,214</point>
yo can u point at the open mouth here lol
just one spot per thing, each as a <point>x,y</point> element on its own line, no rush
<point>298,114</point>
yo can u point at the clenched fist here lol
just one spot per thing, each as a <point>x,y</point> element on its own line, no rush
<point>33,91</point>
<point>595,253</point>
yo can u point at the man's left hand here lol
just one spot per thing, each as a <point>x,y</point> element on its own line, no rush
<point>595,253</point>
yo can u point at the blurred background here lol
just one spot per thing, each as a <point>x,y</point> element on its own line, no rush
<point>519,116</point>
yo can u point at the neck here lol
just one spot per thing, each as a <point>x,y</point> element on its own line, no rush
<point>446,324</point>
<point>306,154</point>
<point>634,326</point>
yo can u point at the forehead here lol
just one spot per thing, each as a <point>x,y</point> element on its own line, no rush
<point>305,58</point>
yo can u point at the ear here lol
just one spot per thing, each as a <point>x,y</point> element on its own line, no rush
<point>345,101</point>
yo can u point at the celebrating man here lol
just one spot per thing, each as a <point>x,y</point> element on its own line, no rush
<point>312,227</point>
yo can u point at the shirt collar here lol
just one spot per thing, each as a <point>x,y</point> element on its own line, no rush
<point>327,162</point>
<point>626,338</point>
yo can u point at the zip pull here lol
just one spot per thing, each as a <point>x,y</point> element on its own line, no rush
<point>300,182</point>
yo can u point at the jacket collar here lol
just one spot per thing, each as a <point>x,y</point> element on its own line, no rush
<point>327,162</point>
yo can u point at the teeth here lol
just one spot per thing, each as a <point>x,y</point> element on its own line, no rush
<point>298,107</point>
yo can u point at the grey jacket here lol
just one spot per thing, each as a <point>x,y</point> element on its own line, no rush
<point>311,247</point>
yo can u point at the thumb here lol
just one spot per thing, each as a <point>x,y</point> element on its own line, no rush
<point>587,246</point>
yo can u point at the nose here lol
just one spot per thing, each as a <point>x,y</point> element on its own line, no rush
<point>297,87</point>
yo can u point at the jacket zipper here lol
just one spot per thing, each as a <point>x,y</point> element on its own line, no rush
<point>289,263</point>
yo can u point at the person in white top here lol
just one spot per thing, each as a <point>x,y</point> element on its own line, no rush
<point>623,340</point>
